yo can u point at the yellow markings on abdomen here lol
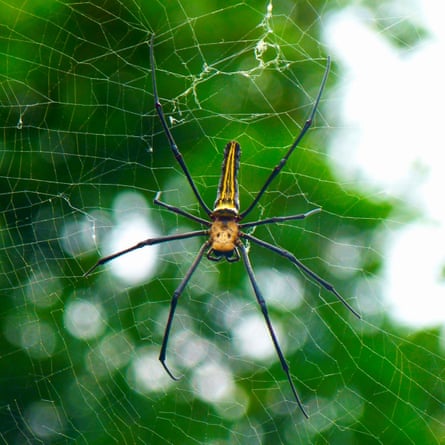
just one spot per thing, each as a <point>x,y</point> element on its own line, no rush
<point>227,198</point>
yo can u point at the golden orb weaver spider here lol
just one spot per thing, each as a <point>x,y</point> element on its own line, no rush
<point>225,229</point>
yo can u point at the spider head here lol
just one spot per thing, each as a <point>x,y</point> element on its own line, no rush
<point>224,237</point>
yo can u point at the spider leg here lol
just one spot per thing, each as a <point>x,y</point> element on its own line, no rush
<point>168,133</point>
<point>265,312</point>
<point>147,242</point>
<point>173,303</point>
<point>180,211</point>
<point>278,219</point>
<point>303,131</point>
<point>286,254</point>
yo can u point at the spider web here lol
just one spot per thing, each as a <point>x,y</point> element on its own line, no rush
<point>83,156</point>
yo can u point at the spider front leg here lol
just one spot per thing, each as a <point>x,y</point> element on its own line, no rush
<point>174,301</point>
<point>170,138</point>
<point>294,145</point>
<point>265,312</point>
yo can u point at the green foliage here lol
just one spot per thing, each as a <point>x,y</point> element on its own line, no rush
<point>79,128</point>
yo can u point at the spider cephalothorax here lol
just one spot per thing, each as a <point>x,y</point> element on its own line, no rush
<point>224,239</point>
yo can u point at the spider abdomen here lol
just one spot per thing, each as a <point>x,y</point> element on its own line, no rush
<point>227,198</point>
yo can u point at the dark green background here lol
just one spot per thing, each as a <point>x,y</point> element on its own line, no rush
<point>79,75</point>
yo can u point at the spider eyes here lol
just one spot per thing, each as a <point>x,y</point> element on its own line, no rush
<point>218,235</point>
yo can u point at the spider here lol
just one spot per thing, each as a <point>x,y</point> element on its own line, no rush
<point>224,229</point>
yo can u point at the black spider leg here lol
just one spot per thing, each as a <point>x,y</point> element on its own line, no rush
<point>147,242</point>
<point>173,303</point>
<point>265,312</point>
<point>303,131</point>
<point>169,135</point>
<point>286,254</point>
<point>181,212</point>
<point>278,219</point>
